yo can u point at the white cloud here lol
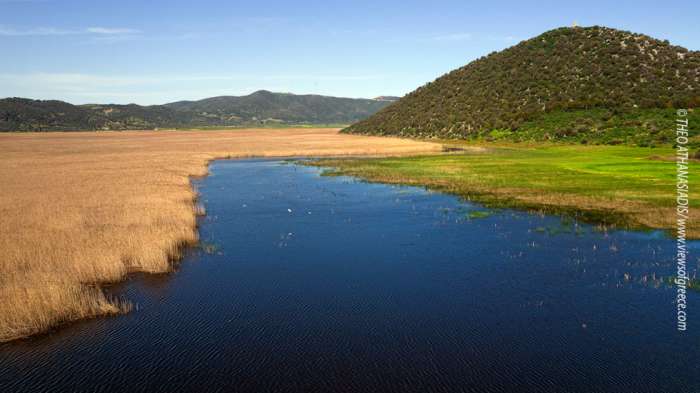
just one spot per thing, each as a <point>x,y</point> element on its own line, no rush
<point>38,31</point>
<point>53,31</point>
<point>111,30</point>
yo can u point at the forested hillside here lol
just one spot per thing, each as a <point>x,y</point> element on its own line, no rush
<point>565,82</point>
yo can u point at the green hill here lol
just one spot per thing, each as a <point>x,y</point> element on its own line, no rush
<point>261,107</point>
<point>592,84</point>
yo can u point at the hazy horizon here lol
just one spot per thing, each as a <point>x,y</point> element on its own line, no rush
<point>197,99</point>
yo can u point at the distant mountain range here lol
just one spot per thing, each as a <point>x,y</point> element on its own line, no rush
<point>387,98</point>
<point>261,107</point>
<point>582,83</point>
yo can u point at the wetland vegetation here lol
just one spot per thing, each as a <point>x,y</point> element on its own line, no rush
<point>304,282</point>
<point>619,185</point>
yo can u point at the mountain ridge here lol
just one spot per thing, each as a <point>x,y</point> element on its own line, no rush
<point>260,107</point>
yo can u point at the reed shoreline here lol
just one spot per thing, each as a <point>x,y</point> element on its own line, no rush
<point>87,209</point>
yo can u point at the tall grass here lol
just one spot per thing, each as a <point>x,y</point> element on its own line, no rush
<point>82,209</point>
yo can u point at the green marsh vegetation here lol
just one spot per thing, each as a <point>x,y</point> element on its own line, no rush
<point>692,284</point>
<point>577,120</point>
<point>476,214</point>
<point>621,185</point>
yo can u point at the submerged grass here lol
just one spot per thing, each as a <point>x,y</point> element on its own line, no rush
<point>614,185</point>
<point>692,284</point>
<point>476,214</point>
<point>80,209</point>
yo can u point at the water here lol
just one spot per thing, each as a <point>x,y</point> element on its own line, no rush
<point>309,283</point>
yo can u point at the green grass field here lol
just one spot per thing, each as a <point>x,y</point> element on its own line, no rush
<point>621,185</point>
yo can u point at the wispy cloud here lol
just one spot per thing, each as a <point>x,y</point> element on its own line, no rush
<point>507,38</point>
<point>80,87</point>
<point>38,31</point>
<point>53,31</point>
<point>78,81</point>
<point>266,20</point>
<point>22,1</point>
<point>452,37</point>
<point>111,30</point>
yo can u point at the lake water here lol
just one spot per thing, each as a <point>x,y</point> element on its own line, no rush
<point>308,284</point>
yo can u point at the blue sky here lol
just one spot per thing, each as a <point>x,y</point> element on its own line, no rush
<point>161,51</point>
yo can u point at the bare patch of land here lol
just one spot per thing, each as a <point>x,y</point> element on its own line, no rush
<point>83,209</point>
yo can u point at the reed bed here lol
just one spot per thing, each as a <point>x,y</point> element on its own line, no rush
<point>82,209</point>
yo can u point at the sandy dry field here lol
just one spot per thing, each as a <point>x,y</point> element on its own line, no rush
<point>87,208</point>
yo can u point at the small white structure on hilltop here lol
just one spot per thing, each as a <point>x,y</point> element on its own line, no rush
<point>575,24</point>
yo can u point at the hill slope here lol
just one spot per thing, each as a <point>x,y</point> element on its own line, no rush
<point>20,114</point>
<point>562,70</point>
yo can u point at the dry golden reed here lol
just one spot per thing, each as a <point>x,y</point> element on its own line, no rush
<point>81,209</point>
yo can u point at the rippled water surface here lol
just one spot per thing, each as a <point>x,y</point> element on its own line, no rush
<point>307,283</point>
